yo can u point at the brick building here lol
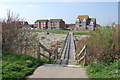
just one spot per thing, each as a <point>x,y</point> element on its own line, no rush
<point>50,24</point>
<point>41,24</point>
<point>70,26</point>
<point>83,22</point>
<point>56,24</point>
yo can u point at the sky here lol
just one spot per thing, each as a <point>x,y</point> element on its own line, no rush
<point>105,12</point>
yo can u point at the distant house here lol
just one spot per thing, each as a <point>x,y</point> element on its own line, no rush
<point>83,22</point>
<point>70,26</point>
<point>50,24</point>
<point>41,24</point>
<point>56,24</point>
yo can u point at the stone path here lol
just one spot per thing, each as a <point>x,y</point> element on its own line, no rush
<point>56,71</point>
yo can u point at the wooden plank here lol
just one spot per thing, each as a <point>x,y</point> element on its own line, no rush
<point>85,53</point>
<point>44,56</point>
<point>81,51</point>
<point>42,46</point>
<point>38,51</point>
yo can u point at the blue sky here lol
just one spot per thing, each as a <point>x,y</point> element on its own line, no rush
<point>104,12</point>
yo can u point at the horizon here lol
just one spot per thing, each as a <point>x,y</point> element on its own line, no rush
<point>105,12</point>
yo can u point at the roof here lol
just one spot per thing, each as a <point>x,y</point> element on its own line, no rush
<point>41,20</point>
<point>58,20</point>
<point>70,24</point>
<point>83,16</point>
<point>93,19</point>
<point>97,25</point>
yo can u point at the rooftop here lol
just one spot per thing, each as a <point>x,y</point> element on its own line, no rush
<point>41,20</point>
<point>83,16</point>
<point>56,20</point>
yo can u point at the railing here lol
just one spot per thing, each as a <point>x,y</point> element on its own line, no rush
<point>51,56</point>
<point>84,56</point>
<point>63,46</point>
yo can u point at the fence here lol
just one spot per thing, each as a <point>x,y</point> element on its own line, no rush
<point>84,56</point>
<point>52,55</point>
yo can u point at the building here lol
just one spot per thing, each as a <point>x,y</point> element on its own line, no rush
<point>41,24</point>
<point>56,24</point>
<point>50,24</point>
<point>70,26</point>
<point>83,22</point>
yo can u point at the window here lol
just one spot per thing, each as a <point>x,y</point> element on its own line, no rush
<point>56,22</point>
<point>84,20</point>
<point>91,22</point>
<point>43,25</point>
<point>77,25</point>
<point>87,25</point>
<point>77,20</point>
<point>53,27</point>
<point>80,26</point>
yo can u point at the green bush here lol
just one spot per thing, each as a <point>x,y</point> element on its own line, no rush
<point>18,66</point>
<point>101,47</point>
<point>97,70</point>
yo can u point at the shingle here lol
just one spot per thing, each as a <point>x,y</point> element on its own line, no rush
<point>83,16</point>
<point>41,20</point>
<point>56,20</point>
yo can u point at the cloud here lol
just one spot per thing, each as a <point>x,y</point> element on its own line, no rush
<point>31,6</point>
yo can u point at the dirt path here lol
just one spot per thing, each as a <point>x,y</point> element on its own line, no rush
<point>57,71</point>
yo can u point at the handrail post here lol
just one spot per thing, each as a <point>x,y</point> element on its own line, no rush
<point>50,57</point>
<point>85,54</point>
<point>38,51</point>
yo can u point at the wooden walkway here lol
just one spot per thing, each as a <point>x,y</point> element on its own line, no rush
<point>68,53</point>
<point>64,67</point>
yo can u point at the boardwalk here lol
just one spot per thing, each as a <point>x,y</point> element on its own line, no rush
<point>68,53</point>
<point>63,67</point>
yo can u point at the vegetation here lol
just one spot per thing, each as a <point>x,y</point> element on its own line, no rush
<point>101,46</point>
<point>20,44</point>
<point>18,66</point>
<point>97,70</point>
<point>16,39</point>
<point>65,32</point>
<point>103,53</point>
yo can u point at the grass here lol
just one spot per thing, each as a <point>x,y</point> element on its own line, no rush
<point>65,31</point>
<point>18,66</point>
<point>99,71</point>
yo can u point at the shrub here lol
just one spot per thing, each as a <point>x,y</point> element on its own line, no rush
<point>101,47</point>
<point>16,39</point>
<point>18,66</point>
<point>99,71</point>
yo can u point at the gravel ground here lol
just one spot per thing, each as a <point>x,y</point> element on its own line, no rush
<point>47,39</point>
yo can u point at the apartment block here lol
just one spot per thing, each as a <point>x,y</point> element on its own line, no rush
<point>83,22</point>
<point>56,24</point>
<point>50,24</point>
<point>41,24</point>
